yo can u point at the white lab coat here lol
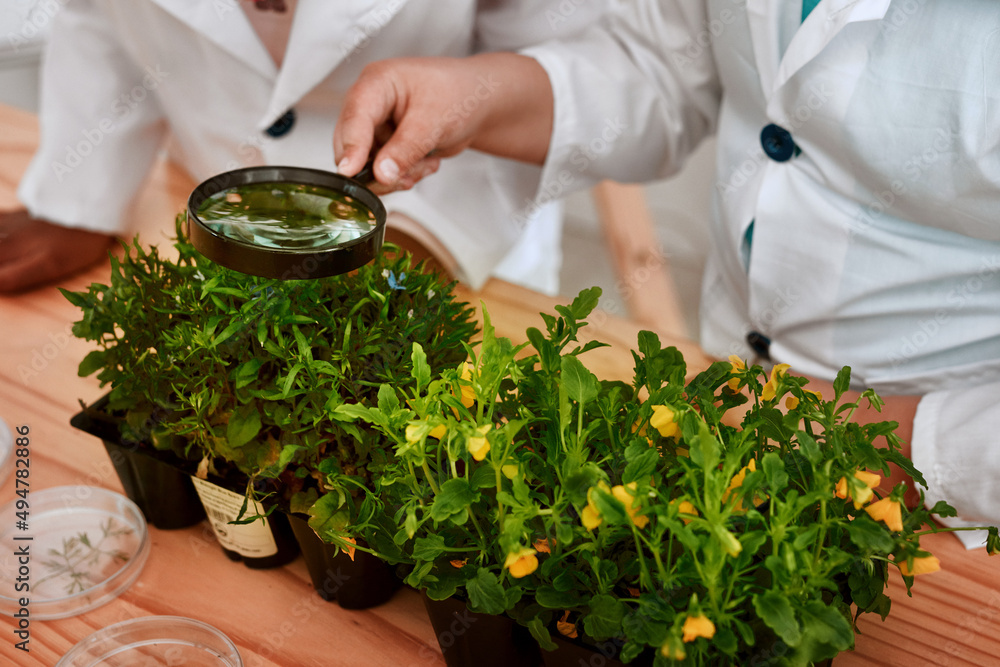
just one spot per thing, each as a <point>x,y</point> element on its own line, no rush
<point>878,245</point>
<point>118,74</point>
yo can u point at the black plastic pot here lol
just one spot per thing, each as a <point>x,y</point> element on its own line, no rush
<point>162,491</point>
<point>471,639</point>
<point>576,652</point>
<point>363,582</point>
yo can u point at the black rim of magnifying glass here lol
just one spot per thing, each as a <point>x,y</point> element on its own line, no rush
<point>283,263</point>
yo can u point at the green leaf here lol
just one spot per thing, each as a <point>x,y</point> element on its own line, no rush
<point>420,370</point>
<point>485,593</point>
<point>843,381</point>
<point>247,372</point>
<point>809,447</point>
<point>286,387</point>
<point>428,548</point>
<point>454,497</point>
<point>549,597</point>
<point>641,466</point>
<point>581,385</point>
<point>585,302</point>
<point>822,624</point>
<point>867,534</point>
<point>388,402</point>
<point>541,634</point>
<point>604,620</point>
<point>774,470</point>
<point>244,425</point>
<point>775,610</point>
<point>227,333</point>
<point>94,361</point>
<point>704,450</point>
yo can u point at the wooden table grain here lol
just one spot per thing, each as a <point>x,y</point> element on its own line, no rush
<point>273,616</point>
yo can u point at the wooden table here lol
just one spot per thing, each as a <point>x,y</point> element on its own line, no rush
<point>273,616</point>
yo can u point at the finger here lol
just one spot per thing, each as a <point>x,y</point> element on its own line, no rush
<point>422,169</point>
<point>368,107</point>
<point>417,135</point>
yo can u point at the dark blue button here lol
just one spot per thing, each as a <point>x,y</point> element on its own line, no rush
<point>760,343</point>
<point>283,125</point>
<point>777,143</point>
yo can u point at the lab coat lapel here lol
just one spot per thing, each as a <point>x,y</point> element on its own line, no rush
<point>818,30</point>
<point>322,37</point>
<point>823,24</point>
<point>223,22</point>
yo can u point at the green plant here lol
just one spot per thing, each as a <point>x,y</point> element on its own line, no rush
<point>642,513</point>
<point>232,371</point>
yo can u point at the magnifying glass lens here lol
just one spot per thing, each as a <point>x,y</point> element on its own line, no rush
<point>290,216</point>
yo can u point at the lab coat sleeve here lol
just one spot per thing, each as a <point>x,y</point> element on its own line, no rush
<point>955,447</point>
<point>100,124</point>
<point>630,104</point>
<point>507,25</point>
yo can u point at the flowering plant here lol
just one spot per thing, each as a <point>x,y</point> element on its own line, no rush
<point>637,513</point>
<point>238,373</point>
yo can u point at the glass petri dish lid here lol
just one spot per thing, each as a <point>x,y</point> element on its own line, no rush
<point>69,549</point>
<point>152,641</point>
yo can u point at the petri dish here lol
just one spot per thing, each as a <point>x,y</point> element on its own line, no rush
<point>151,641</point>
<point>286,222</point>
<point>6,451</point>
<point>75,548</point>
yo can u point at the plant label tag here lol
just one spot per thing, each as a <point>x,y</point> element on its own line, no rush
<point>251,540</point>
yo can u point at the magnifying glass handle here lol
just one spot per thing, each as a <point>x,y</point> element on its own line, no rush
<point>367,173</point>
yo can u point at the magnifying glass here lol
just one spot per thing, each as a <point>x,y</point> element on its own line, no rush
<point>289,223</point>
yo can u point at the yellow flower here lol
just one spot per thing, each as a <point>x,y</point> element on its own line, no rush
<point>438,431</point>
<point>771,387</point>
<point>625,495</point>
<point>673,649</point>
<point>924,565</point>
<point>521,563</point>
<point>468,395</point>
<point>413,432</point>
<point>697,626</point>
<point>738,366</point>
<point>510,471</point>
<point>590,517</point>
<point>478,445</point>
<point>859,496</point>
<point>887,510</point>
<point>459,564</point>
<point>664,420</point>
<point>685,507</point>
<point>729,542</point>
<point>736,482</point>
<point>792,402</point>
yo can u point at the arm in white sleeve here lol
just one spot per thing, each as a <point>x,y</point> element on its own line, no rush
<point>956,445</point>
<point>101,125</point>
<point>629,106</point>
